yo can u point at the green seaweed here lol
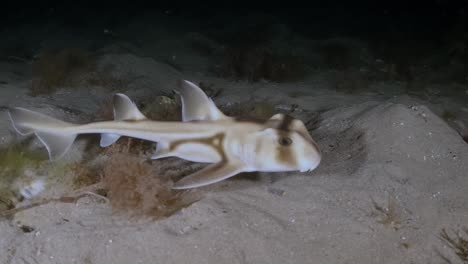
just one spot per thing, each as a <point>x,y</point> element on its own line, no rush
<point>14,159</point>
<point>6,200</point>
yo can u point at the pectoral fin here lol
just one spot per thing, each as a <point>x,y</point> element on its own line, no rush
<point>210,174</point>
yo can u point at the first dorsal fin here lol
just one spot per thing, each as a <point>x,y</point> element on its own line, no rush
<point>125,108</point>
<point>196,105</point>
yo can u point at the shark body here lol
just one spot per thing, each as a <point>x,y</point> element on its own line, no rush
<point>205,135</point>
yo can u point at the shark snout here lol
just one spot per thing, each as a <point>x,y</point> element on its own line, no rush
<point>311,165</point>
<point>311,160</point>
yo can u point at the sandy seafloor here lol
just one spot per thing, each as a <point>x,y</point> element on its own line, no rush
<point>381,148</point>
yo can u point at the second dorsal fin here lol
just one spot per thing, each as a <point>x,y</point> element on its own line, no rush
<point>196,105</point>
<point>125,109</point>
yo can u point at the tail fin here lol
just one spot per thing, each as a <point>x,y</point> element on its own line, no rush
<point>48,129</point>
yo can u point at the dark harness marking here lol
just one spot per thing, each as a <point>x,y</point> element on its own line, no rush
<point>284,154</point>
<point>215,141</point>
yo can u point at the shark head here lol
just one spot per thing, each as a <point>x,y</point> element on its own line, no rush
<point>282,144</point>
<point>286,145</point>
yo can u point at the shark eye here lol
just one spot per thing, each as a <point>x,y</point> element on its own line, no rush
<point>285,141</point>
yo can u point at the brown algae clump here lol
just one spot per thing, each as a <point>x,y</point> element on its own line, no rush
<point>134,185</point>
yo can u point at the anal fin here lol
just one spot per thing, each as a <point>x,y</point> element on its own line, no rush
<point>210,174</point>
<point>162,150</point>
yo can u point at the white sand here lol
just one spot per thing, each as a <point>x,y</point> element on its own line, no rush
<point>391,152</point>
